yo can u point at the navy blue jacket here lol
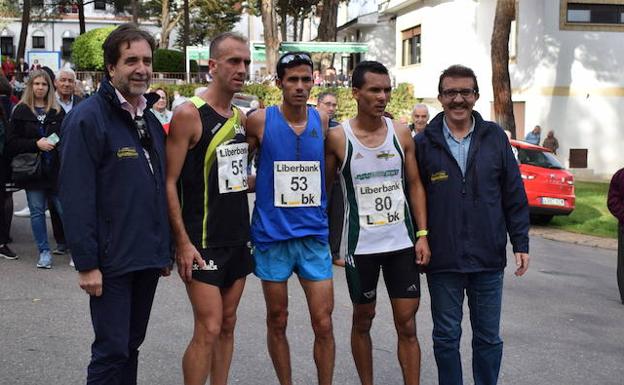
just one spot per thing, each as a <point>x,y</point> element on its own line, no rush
<point>114,207</point>
<point>469,217</point>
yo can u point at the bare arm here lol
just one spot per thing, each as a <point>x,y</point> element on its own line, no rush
<point>254,128</point>
<point>334,155</point>
<point>417,197</point>
<point>184,132</point>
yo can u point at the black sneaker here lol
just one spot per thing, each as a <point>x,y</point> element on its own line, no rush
<point>7,253</point>
<point>60,250</point>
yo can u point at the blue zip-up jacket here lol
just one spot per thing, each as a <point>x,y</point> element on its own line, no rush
<point>469,216</point>
<point>114,207</point>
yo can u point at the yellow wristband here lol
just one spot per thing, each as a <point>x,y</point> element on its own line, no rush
<point>421,233</point>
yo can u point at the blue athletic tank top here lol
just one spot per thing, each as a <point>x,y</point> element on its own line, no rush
<point>272,219</point>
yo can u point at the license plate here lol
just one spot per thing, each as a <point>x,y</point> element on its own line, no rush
<point>553,201</point>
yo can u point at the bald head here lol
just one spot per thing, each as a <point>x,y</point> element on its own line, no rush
<point>420,117</point>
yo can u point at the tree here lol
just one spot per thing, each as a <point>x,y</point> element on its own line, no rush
<point>168,14</point>
<point>297,10</point>
<point>271,41</point>
<point>501,84</point>
<point>210,18</point>
<point>21,47</point>
<point>328,26</point>
<point>87,51</point>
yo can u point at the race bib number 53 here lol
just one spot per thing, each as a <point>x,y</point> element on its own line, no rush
<point>297,183</point>
<point>232,165</point>
<point>381,204</point>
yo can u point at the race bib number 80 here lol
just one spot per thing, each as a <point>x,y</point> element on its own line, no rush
<point>297,183</point>
<point>232,166</point>
<point>381,204</point>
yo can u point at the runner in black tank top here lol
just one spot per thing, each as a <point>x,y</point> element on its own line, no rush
<point>208,210</point>
<point>213,219</point>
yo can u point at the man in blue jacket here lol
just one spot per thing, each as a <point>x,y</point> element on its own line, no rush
<point>112,186</point>
<point>475,196</point>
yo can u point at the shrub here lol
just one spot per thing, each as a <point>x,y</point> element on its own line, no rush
<point>87,53</point>
<point>168,60</point>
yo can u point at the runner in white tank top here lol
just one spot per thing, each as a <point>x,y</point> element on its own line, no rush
<point>378,173</point>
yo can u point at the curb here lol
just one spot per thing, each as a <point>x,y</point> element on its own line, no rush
<point>576,238</point>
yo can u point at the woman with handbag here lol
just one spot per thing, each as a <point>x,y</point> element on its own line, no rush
<point>34,131</point>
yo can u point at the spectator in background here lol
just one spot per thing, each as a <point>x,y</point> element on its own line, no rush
<point>551,142</point>
<point>35,65</point>
<point>65,82</point>
<point>22,69</point>
<point>420,118</point>
<point>533,137</point>
<point>79,90</point>
<point>8,67</point>
<point>5,217</point>
<point>615,203</point>
<point>35,121</point>
<point>160,109</point>
<point>328,103</point>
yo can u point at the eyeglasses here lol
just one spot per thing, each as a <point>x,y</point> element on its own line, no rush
<point>464,92</point>
<point>296,57</point>
<point>144,135</point>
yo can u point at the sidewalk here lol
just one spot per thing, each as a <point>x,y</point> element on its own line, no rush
<point>579,239</point>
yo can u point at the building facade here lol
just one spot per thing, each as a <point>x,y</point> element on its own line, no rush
<point>566,65</point>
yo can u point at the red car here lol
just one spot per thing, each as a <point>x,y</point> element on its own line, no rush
<point>549,187</point>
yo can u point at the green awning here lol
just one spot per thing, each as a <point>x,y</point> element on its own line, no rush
<point>198,53</point>
<point>257,49</point>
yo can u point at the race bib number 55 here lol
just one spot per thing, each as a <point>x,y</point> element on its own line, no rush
<point>381,204</point>
<point>297,183</point>
<point>232,166</point>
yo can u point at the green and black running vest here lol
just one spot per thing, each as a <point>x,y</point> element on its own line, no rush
<point>216,215</point>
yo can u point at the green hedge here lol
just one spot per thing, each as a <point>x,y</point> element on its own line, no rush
<point>168,60</point>
<point>87,53</point>
<point>401,103</point>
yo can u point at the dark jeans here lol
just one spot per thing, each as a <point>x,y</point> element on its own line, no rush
<point>620,261</point>
<point>6,215</point>
<point>119,318</point>
<point>484,291</point>
<point>57,225</point>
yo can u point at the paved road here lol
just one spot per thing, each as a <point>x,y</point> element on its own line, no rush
<point>562,324</point>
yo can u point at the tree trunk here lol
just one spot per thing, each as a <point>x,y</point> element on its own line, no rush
<point>271,41</point>
<point>284,23</point>
<point>187,25</point>
<point>501,84</point>
<point>135,11</point>
<point>295,24</point>
<point>303,19</point>
<point>164,34</point>
<point>81,17</point>
<point>21,47</point>
<point>328,26</point>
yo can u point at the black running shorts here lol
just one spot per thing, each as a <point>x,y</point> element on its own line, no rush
<point>224,265</point>
<point>401,275</point>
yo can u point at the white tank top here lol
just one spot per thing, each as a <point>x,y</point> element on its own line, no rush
<point>377,218</point>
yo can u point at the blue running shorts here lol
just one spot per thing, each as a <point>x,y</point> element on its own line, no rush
<point>308,257</point>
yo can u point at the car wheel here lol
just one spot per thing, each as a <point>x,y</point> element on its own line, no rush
<point>541,219</point>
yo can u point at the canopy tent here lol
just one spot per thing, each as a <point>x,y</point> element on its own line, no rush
<point>258,52</point>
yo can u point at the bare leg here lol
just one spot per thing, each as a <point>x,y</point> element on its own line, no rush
<point>320,296</point>
<point>224,346</point>
<point>361,345</point>
<point>208,314</point>
<point>404,311</point>
<point>276,298</point>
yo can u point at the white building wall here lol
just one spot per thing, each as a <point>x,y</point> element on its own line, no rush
<point>571,81</point>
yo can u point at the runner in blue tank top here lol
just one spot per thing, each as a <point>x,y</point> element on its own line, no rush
<point>289,224</point>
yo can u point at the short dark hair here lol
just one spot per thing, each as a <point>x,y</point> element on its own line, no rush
<point>125,33</point>
<point>458,71</point>
<point>215,44</point>
<point>357,79</point>
<point>323,95</point>
<point>281,67</point>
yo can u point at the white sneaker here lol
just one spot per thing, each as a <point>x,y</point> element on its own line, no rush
<point>71,262</point>
<point>23,213</point>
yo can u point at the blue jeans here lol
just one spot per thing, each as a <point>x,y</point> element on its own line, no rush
<point>37,206</point>
<point>485,294</point>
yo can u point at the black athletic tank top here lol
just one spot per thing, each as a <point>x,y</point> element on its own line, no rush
<point>214,215</point>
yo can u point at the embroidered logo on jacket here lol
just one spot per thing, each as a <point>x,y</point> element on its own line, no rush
<point>439,176</point>
<point>127,152</point>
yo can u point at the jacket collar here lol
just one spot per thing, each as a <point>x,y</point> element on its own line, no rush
<point>435,133</point>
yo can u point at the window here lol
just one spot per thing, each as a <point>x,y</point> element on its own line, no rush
<point>411,46</point>
<point>99,4</point>
<point>592,15</point>
<point>38,42</point>
<point>66,47</point>
<point>6,46</point>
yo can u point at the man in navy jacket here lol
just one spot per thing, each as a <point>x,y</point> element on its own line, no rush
<point>615,203</point>
<point>112,188</point>
<point>475,196</point>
